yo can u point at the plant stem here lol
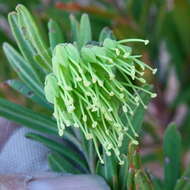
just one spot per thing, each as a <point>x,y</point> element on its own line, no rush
<point>91,160</point>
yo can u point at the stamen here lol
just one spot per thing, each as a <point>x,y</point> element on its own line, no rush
<point>97,150</point>
<point>134,40</point>
<point>94,124</point>
<point>117,51</point>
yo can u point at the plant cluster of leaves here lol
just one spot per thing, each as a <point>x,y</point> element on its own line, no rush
<point>73,154</point>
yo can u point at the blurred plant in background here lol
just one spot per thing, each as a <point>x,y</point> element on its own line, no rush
<point>166,24</point>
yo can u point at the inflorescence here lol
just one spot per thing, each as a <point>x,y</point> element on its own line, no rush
<point>89,88</point>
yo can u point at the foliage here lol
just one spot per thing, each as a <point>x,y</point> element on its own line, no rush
<point>166,27</point>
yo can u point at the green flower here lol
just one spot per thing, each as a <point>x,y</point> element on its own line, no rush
<point>90,87</point>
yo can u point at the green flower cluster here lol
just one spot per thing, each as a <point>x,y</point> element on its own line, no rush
<point>89,88</point>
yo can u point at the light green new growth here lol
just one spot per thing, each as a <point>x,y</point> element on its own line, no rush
<point>90,88</point>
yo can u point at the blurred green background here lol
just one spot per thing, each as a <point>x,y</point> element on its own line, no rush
<point>165,23</point>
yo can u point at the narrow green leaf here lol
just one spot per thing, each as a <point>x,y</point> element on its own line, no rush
<point>25,47</point>
<point>31,32</point>
<point>40,61</point>
<point>55,34</point>
<point>23,70</point>
<point>27,117</point>
<point>60,148</point>
<point>74,28</point>
<point>88,150</point>
<point>27,92</point>
<point>99,168</point>
<point>26,20</point>
<point>106,33</point>
<point>85,34</point>
<point>109,170</point>
<point>172,153</point>
<point>55,162</point>
<point>33,120</point>
<point>123,173</point>
<point>60,164</point>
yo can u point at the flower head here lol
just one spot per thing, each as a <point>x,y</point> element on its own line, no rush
<point>90,87</point>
